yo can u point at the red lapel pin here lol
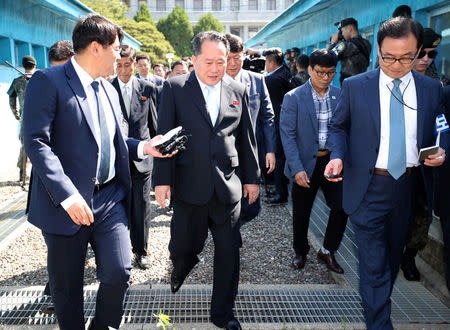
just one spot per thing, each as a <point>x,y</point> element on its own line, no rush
<point>235,102</point>
<point>143,98</point>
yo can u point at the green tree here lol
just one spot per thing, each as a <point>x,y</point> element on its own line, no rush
<point>208,22</point>
<point>143,15</point>
<point>153,41</point>
<point>112,9</point>
<point>178,31</point>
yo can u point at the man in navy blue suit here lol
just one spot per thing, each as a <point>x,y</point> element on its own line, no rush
<point>261,112</point>
<point>305,116</point>
<point>383,118</point>
<point>81,180</point>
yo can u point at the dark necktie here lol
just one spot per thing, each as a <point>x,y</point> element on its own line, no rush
<point>397,144</point>
<point>105,156</point>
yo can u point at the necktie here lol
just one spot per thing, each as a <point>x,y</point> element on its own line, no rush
<point>211,104</point>
<point>397,144</point>
<point>126,100</point>
<point>105,155</point>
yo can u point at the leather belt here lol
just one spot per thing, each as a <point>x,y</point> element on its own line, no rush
<point>382,171</point>
<point>99,187</point>
<point>323,152</point>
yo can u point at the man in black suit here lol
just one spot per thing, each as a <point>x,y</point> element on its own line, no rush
<point>277,81</point>
<point>206,192</point>
<point>143,66</point>
<point>138,103</point>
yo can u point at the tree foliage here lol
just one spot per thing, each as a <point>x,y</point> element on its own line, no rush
<point>208,22</point>
<point>144,30</point>
<point>178,31</point>
<point>144,15</point>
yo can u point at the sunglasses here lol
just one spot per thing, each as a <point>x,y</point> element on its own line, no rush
<point>431,54</point>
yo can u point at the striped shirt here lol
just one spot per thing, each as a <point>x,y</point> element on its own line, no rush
<point>323,112</point>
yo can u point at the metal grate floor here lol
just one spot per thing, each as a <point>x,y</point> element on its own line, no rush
<point>23,306</point>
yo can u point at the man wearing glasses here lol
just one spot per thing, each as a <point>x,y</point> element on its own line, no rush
<point>383,118</point>
<point>304,119</point>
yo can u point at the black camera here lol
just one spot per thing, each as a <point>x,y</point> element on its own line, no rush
<point>171,141</point>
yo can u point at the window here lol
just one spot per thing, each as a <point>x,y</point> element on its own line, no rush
<point>179,3</point>
<point>236,30</point>
<point>198,4</point>
<point>216,5</point>
<point>40,55</point>
<point>441,24</point>
<point>234,4</point>
<point>161,5</point>
<point>252,30</point>
<point>21,49</point>
<point>287,3</point>
<point>271,5</point>
<point>5,49</point>
<point>252,4</point>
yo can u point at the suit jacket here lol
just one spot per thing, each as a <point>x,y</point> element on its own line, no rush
<point>260,107</point>
<point>213,153</point>
<point>299,129</point>
<point>59,139</point>
<point>141,124</point>
<point>156,80</point>
<point>355,130</point>
<point>278,85</point>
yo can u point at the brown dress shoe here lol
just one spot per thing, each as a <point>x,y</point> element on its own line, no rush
<point>299,261</point>
<point>330,262</point>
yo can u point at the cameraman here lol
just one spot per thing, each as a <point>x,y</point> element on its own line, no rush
<point>352,50</point>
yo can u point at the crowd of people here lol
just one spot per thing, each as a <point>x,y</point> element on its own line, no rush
<point>89,125</point>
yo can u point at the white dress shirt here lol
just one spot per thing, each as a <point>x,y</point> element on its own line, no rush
<point>238,76</point>
<point>213,108</point>
<point>408,90</point>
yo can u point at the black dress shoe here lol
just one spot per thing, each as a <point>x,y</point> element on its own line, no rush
<point>233,325</point>
<point>175,283</point>
<point>48,309</point>
<point>95,326</point>
<point>142,261</point>
<point>299,261</point>
<point>276,200</point>
<point>410,271</point>
<point>329,260</point>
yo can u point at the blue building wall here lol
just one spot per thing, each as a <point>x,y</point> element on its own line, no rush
<point>308,24</point>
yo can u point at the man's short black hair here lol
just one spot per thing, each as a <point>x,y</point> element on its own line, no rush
<point>143,56</point>
<point>403,10</point>
<point>295,50</point>
<point>236,43</point>
<point>94,27</point>
<point>302,61</point>
<point>179,62</point>
<point>213,36</point>
<point>127,51</point>
<point>158,65</point>
<point>274,54</point>
<point>323,57</point>
<point>61,51</point>
<point>400,27</point>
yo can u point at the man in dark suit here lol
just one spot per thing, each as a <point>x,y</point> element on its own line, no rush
<point>261,113</point>
<point>305,116</point>
<point>81,175</point>
<point>138,103</point>
<point>206,192</point>
<point>143,66</point>
<point>383,118</point>
<point>277,81</point>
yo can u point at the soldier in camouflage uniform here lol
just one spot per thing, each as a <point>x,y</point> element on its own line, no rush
<point>16,94</point>
<point>293,63</point>
<point>423,217</point>
<point>351,49</point>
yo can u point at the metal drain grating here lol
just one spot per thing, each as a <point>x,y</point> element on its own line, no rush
<point>191,305</point>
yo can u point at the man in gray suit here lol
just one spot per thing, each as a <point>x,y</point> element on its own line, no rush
<point>261,112</point>
<point>304,120</point>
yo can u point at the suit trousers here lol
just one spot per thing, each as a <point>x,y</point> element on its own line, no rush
<point>109,239</point>
<point>281,182</point>
<point>189,230</point>
<point>380,224</point>
<point>140,218</point>
<point>302,202</point>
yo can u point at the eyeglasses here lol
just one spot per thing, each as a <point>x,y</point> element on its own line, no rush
<point>401,60</point>
<point>322,74</point>
<point>431,53</point>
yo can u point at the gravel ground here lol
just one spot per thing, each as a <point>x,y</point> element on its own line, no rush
<point>265,256</point>
<point>9,184</point>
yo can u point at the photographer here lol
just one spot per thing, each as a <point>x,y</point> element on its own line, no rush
<point>352,50</point>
